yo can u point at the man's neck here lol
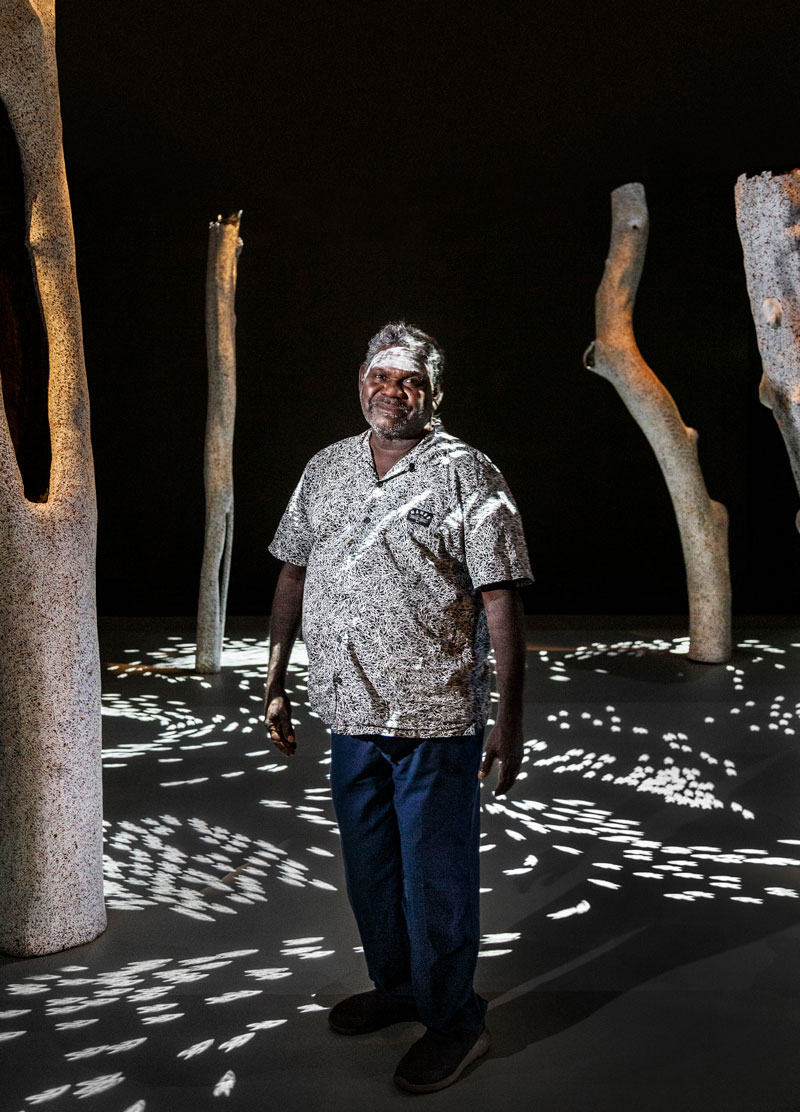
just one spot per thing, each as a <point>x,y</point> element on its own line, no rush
<point>386,452</point>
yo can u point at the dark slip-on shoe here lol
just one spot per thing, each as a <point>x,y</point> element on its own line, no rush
<point>437,1060</point>
<point>369,1011</point>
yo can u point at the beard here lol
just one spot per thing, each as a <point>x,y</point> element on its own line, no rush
<point>390,424</point>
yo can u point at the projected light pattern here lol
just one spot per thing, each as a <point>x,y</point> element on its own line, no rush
<point>586,831</point>
<point>175,663</point>
<point>133,989</point>
<point>682,772</point>
<point>176,729</point>
<point>659,774</point>
<point>145,866</point>
<point>607,786</point>
<point>152,994</point>
<point>670,765</point>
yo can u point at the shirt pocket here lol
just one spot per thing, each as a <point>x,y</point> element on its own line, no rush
<point>413,527</point>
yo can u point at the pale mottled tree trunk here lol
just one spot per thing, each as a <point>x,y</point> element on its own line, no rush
<point>51,881</point>
<point>614,354</point>
<point>224,247</point>
<point>768,216</point>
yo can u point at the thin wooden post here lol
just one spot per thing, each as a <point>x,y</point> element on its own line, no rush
<point>614,354</point>
<point>224,248</point>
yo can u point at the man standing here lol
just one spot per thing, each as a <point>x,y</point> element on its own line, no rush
<point>404,550</point>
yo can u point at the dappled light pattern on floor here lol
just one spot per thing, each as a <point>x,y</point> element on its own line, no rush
<point>651,787</point>
<point>146,866</point>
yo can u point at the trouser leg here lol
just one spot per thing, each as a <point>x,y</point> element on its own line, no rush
<point>363,793</point>
<point>437,804</point>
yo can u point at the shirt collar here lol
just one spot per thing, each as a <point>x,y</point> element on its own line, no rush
<point>408,462</point>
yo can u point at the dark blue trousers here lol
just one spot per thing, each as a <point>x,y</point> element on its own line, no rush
<point>408,814</point>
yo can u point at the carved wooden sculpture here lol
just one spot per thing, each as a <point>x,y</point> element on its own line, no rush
<point>51,881</point>
<point>768,216</point>
<point>224,248</point>
<point>703,523</point>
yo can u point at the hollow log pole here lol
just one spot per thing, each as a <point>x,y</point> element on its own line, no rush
<point>224,248</point>
<point>767,215</point>
<point>51,880</point>
<point>614,354</point>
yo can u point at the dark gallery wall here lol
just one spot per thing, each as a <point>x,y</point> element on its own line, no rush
<point>449,163</point>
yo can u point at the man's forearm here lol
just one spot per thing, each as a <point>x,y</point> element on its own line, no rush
<point>287,607</point>
<point>505,618</point>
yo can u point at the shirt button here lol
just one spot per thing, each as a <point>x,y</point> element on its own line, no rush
<point>367,520</point>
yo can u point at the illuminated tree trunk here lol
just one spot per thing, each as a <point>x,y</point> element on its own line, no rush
<point>768,216</point>
<point>614,354</point>
<point>224,248</point>
<point>51,881</point>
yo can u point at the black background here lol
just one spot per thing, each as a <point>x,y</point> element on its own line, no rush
<point>449,163</point>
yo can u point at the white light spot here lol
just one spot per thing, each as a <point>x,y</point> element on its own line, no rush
<point>229,997</point>
<point>98,1085</point>
<point>579,909</point>
<point>48,1094</point>
<point>224,1087</point>
<point>237,1041</point>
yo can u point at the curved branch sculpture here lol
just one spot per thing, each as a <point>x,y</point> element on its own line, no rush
<point>224,248</point>
<point>768,218</point>
<point>51,880</point>
<point>614,354</point>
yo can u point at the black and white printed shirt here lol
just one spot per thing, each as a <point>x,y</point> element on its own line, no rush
<point>393,618</point>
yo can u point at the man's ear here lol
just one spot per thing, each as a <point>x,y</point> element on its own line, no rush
<point>362,372</point>
<point>436,396</point>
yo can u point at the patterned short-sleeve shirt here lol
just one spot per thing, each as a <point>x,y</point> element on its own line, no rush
<point>393,618</point>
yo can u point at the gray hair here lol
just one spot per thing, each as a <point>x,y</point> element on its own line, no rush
<point>423,347</point>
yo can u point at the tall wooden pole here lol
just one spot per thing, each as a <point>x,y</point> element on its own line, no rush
<point>224,248</point>
<point>51,880</point>
<point>614,354</point>
<point>768,217</point>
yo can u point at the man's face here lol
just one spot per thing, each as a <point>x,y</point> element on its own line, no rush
<point>396,400</point>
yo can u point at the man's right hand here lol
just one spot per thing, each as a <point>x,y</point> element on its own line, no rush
<point>278,721</point>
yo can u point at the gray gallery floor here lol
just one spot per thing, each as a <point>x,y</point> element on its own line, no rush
<point>640,902</point>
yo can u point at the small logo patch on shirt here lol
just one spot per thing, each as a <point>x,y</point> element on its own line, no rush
<point>419,517</point>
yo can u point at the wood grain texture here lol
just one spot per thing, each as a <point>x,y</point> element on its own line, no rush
<point>224,248</point>
<point>614,354</point>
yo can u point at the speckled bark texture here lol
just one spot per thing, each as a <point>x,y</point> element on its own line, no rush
<point>768,216</point>
<point>224,248</point>
<point>51,883</point>
<point>614,354</point>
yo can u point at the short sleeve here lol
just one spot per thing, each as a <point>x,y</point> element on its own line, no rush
<point>293,540</point>
<point>494,541</point>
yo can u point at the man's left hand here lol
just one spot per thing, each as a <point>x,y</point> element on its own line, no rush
<point>503,745</point>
